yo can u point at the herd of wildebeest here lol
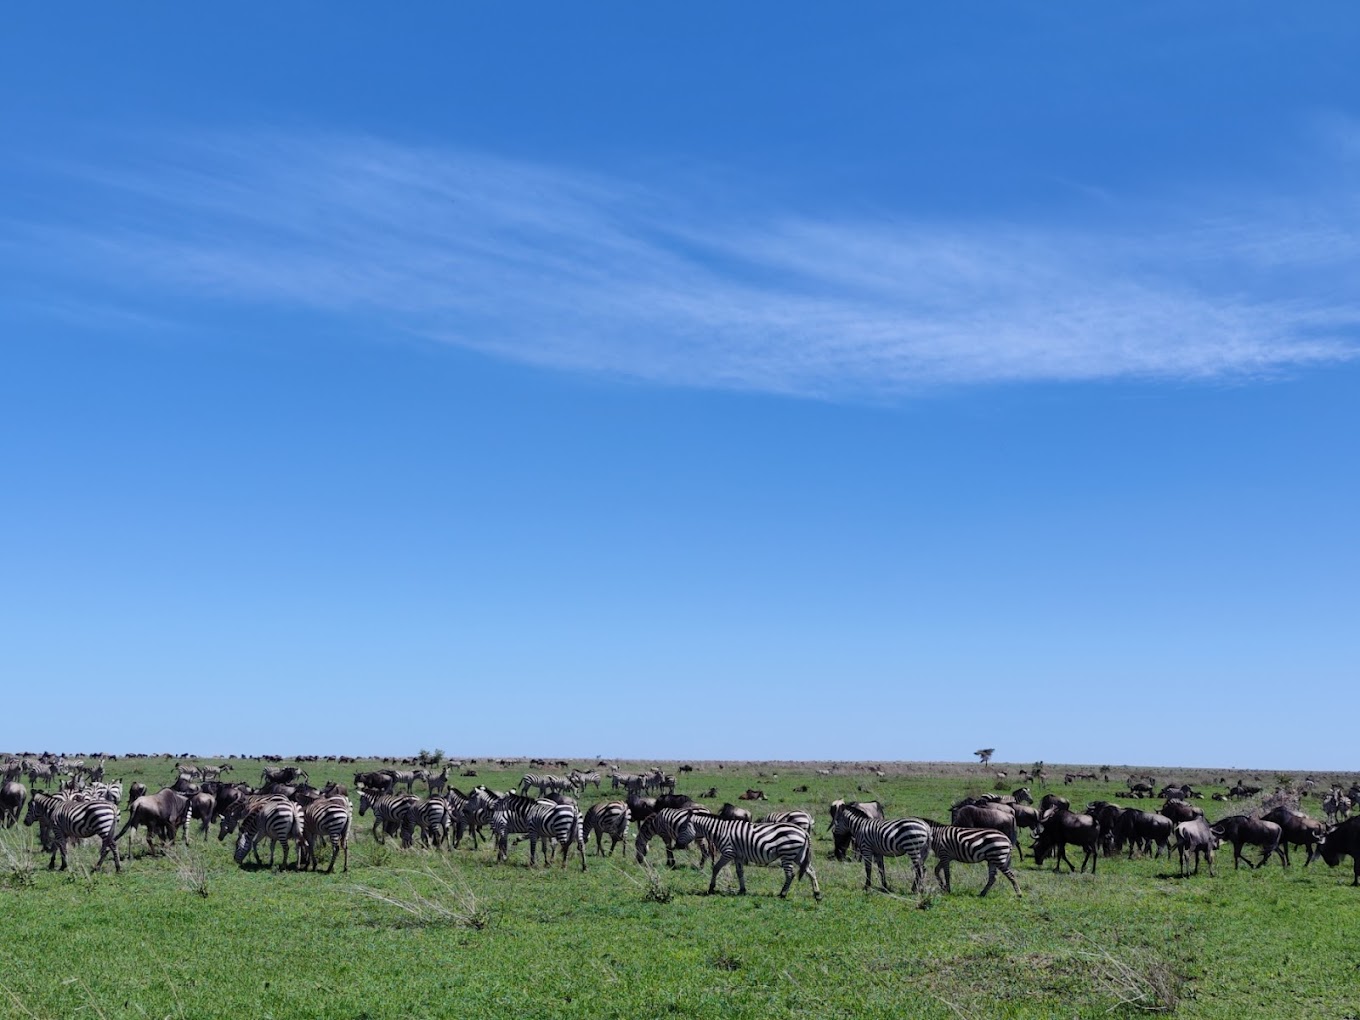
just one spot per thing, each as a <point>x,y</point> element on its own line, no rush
<point>70,800</point>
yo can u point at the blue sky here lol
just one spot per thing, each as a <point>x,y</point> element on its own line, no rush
<point>778,382</point>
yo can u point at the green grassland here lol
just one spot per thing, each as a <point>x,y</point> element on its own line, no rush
<point>418,933</point>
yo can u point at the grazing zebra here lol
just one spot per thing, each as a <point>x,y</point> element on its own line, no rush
<point>390,813</point>
<point>972,846</point>
<point>877,838</point>
<point>237,814</point>
<point>431,817</point>
<point>407,776</point>
<point>607,818</point>
<point>543,821</point>
<point>744,843</point>
<point>793,816</point>
<point>278,821</point>
<point>578,779</point>
<point>67,818</point>
<point>546,783</point>
<point>673,826</point>
<point>328,819</point>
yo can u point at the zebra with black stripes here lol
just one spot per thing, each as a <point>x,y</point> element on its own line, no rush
<point>546,783</point>
<point>67,818</point>
<point>673,826</point>
<point>606,818</point>
<point>431,817</point>
<point>543,821</point>
<point>278,821</point>
<point>579,779</point>
<point>742,843</point>
<point>972,846</point>
<point>478,807</point>
<point>391,814</point>
<point>794,816</point>
<point>407,776</point>
<point>328,820</point>
<point>877,838</point>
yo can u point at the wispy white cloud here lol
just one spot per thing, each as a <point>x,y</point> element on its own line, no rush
<point>589,274</point>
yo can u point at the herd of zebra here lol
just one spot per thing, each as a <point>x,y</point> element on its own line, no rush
<point>287,810</point>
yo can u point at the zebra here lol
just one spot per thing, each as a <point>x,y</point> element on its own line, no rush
<point>877,838</point>
<point>478,807</point>
<point>607,818</point>
<point>68,818</point>
<point>546,783</point>
<point>436,782</point>
<point>278,821</point>
<point>972,846</point>
<point>111,792</point>
<point>390,813</point>
<point>329,819</point>
<point>673,826</point>
<point>793,816</point>
<point>237,814</point>
<point>543,821</point>
<point>745,843</point>
<point>407,776</point>
<point>578,779</point>
<point>431,817</point>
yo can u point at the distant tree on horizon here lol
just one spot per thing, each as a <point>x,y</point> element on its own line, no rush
<point>985,755</point>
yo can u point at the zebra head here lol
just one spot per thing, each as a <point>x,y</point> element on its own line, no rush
<point>37,809</point>
<point>243,844</point>
<point>366,801</point>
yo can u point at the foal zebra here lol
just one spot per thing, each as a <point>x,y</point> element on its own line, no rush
<point>744,843</point>
<point>607,818</point>
<point>328,819</point>
<point>542,821</point>
<point>278,821</point>
<point>877,838</point>
<point>75,819</point>
<point>972,846</point>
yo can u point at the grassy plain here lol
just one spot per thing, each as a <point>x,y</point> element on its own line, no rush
<point>435,934</point>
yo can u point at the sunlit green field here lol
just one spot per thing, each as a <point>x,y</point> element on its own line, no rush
<point>418,933</point>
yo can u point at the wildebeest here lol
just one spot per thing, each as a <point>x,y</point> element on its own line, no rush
<point>1242,829</point>
<point>731,811</point>
<point>1181,811</point>
<point>378,782</point>
<point>1107,817</point>
<point>1197,838</point>
<point>12,797</point>
<point>1341,840</point>
<point>752,795</point>
<point>163,813</point>
<point>1143,830</point>
<point>203,806</point>
<point>1059,829</point>
<point>136,790</point>
<point>1298,829</point>
<point>1052,802</point>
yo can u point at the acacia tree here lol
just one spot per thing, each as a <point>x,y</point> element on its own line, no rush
<point>985,755</point>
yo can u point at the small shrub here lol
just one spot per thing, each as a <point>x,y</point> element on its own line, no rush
<point>725,961</point>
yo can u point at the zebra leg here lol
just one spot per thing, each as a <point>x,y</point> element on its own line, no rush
<point>942,869</point>
<point>1011,875</point>
<point>718,863</point>
<point>741,876</point>
<point>991,878</point>
<point>882,872</point>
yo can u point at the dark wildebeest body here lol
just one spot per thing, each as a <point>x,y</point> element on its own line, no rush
<point>162,813</point>
<point>1062,828</point>
<point>12,797</point>
<point>641,807</point>
<point>1052,802</point>
<point>675,800</point>
<point>1341,840</point>
<point>378,782</point>
<point>1107,818</point>
<point>1181,811</point>
<point>1298,829</point>
<point>1143,830</point>
<point>1241,829</point>
<point>1197,838</point>
<point>731,812</point>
